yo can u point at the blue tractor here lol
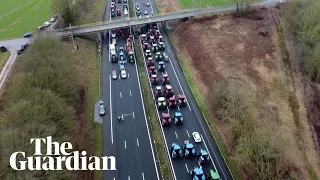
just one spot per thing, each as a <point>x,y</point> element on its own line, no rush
<point>189,149</point>
<point>122,55</point>
<point>161,66</point>
<point>176,151</point>
<point>197,174</point>
<point>204,157</point>
<point>178,118</point>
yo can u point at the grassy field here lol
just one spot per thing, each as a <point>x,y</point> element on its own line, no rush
<point>21,16</point>
<point>3,58</point>
<point>188,4</point>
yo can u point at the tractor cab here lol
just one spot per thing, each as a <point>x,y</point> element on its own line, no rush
<point>178,119</point>
<point>161,46</point>
<point>148,53</point>
<point>169,90</point>
<point>150,61</point>
<point>172,102</point>
<point>131,57</point>
<point>162,103</point>
<point>213,175</point>
<point>154,79</point>
<point>166,120</point>
<point>182,100</point>
<point>161,66</point>
<point>165,79</point>
<point>176,151</point>
<point>197,174</point>
<point>152,70</point>
<point>189,149</point>
<point>203,157</point>
<point>158,92</point>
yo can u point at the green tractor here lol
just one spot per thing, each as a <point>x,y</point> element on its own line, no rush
<point>131,57</point>
<point>213,175</point>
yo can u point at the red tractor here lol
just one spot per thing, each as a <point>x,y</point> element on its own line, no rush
<point>169,91</point>
<point>152,70</point>
<point>154,79</point>
<point>150,62</point>
<point>166,119</point>
<point>172,102</point>
<point>182,100</point>
<point>165,79</point>
<point>158,91</point>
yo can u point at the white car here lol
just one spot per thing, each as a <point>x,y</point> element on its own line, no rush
<point>114,75</point>
<point>123,74</point>
<point>46,24</point>
<point>196,137</point>
<point>125,12</point>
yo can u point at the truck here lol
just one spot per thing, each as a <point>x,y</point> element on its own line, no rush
<point>113,53</point>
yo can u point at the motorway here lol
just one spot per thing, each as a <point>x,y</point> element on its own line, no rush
<point>129,141</point>
<point>193,122</point>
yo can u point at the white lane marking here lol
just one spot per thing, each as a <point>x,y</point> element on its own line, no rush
<point>142,176</point>
<point>186,167</point>
<point>128,75</point>
<point>133,114</point>
<point>125,144</point>
<point>178,108</point>
<point>176,134</point>
<point>114,178</point>
<point>111,111</point>
<point>119,76</point>
<point>199,164</point>
<point>188,133</point>
<point>130,93</point>
<point>172,168</point>
<point>128,177</point>
<point>137,141</point>
<point>120,95</point>
<point>168,110</point>
<point>209,154</point>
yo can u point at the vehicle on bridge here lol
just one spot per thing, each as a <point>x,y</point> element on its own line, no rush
<point>152,70</point>
<point>178,118</point>
<point>182,100</point>
<point>161,66</point>
<point>197,174</point>
<point>213,175</point>
<point>102,110</point>
<point>176,151</point>
<point>131,57</point>
<point>204,157</point>
<point>158,91</point>
<point>166,119</point>
<point>154,79</point>
<point>172,102</point>
<point>162,104</point>
<point>169,91</point>
<point>189,149</point>
<point>165,79</point>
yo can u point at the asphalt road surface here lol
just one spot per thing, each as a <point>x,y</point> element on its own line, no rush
<point>128,140</point>
<point>193,121</point>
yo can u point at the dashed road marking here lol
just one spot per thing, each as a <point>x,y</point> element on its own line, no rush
<point>186,167</point>
<point>137,141</point>
<point>176,135</point>
<point>188,133</point>
<point>125,144</point>
<point>120,95</point>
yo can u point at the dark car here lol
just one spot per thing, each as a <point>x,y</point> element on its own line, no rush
<point>3,49</point>
<point>29,34</point>
<point>125,1</point>
<point>54,18</point>
<point>23,47</point>
<point>119,1</point>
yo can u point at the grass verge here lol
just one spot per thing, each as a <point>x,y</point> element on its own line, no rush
<point>201,104</point>
<point>3,58</point>
<point>150,111</point>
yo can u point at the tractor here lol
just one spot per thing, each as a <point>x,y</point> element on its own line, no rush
<point>152,70</point>
<point>213,175</point>
<point>182,100</point>
<point>157,56</point>
<point>197,174</point>
<point>160,39</point>
<point>203,157</point>
<point>189,149</point>
<point>154,79</point>
<point>150,62</point>
<point>161,46</point>
<point>176,151</point>
<point>131,57</point>
<point>155,47</point>
<point>143,37</point>
<point>172,102</point>
<point>178,118</point>
<point>166,119</point>
<point>158,91</point>
<point>162,104</point>
<point>165,79</point>
<point>148,53</point>
<point>146,46</point>
<point>169,91</point>
<point>161,66</point>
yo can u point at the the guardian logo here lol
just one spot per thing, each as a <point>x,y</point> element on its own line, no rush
<point>63,156</point>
